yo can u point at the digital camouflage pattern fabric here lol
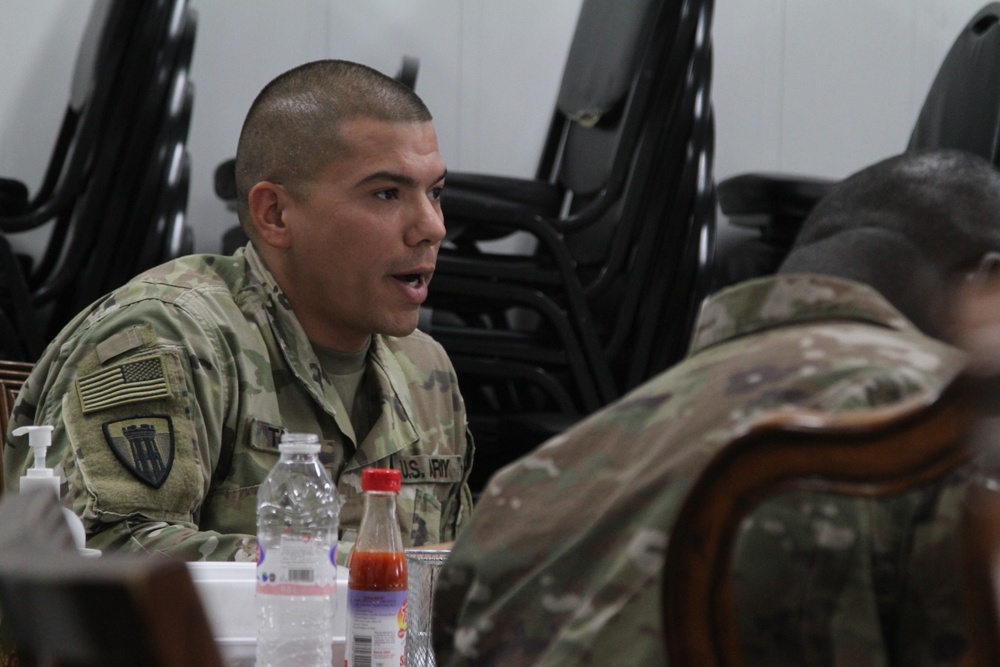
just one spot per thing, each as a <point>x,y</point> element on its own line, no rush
<point>168,398</point>
<point>562,562</point>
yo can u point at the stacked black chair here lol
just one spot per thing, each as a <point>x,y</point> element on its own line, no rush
<point>116,186</point>
<point>961,111</point>
<point>620,222</point>
<point>150,213</point>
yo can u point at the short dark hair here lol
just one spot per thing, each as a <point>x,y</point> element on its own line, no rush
<point>946,202</point>
<point>292,130</point>
<point>907,226</point>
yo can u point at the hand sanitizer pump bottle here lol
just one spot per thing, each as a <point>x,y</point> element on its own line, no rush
<point>41,476</point>
<point>38,476</point>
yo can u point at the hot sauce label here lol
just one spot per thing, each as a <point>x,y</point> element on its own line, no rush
<point>376,628</point>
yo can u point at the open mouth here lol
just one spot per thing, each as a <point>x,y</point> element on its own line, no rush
<point>411,279</point>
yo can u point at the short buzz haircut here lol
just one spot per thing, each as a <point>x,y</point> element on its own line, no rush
<point>944,202</point>
<point>293,128</point>
<point>909,226</point>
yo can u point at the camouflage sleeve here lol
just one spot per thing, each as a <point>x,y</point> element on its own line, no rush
<point>138,402</point>
<point>458,509</point>
<point>464,512</point>
<point>175,540</point>
<point>562,561</point>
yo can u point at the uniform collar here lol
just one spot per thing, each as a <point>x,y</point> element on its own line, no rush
<point>394,429</point>
<point>781,300</point>
<point>295,346</point>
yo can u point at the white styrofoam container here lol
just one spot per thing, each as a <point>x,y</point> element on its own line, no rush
<point>228,593</point>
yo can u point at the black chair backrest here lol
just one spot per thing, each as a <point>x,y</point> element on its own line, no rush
<point>161,190</point>
<point>624,68</point>
<point>623,262</point>
<point>962,107</point>
<point>103,238</point>
<point>645,292</point>
<point>101,58</point>
<point>598,82</point>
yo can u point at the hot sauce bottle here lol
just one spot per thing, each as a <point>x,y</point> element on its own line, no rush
<point>376,590</point>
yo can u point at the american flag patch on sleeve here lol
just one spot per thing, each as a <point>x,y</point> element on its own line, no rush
<point>132,382</point>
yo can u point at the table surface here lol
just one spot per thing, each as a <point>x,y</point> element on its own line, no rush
<point>228,592</point>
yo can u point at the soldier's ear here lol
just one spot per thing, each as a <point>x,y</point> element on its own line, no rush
<point>987,270</point>
<point>267,202</point>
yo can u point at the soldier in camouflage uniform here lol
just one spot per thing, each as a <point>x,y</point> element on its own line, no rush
<point>562,563</point>
<point>168,396</point>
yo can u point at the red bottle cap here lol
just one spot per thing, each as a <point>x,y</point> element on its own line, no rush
<point>380,479</point>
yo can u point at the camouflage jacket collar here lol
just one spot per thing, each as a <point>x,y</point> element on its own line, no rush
<point>394,428</point>
<point>291,337</point>
<point>780,300</point>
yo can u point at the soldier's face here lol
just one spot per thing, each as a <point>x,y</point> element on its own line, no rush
<point>364,240</point>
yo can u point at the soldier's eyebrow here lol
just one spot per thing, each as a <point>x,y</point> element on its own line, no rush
<point>393,177</point>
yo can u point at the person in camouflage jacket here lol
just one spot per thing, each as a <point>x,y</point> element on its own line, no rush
<point>168,396</point>
<point>562,562</point>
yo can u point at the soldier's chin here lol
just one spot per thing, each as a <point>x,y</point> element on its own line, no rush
<point>403,326</point>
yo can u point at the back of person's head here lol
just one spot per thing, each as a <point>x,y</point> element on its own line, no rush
<point>293,128</point>
<point>909,226</point>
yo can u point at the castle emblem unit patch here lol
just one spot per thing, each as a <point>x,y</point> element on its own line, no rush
<point>144,445</point>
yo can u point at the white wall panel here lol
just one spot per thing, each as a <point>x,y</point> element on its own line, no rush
<point>748,84</point>
<point>513,54</point>
<point>838,85</point>
<point>38,42</point>
<point>239,47</point>
<point>488,72</point>
<point>812,86</point>
<point>846,82</point>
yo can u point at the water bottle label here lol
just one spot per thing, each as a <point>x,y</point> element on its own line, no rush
<point>376,628</point>
<point>298,566</point>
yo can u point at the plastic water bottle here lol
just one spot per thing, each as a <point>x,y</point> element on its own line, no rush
<point>377,591</point>
<point>297,521</point>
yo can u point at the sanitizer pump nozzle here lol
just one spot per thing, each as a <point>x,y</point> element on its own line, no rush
<point>39,475</point>
<point>39,439</point>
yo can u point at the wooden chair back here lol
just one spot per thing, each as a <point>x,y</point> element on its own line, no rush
<point>870,454</point>
<point>12,376</point>
<point>75,611</point>
<point>60,608</point>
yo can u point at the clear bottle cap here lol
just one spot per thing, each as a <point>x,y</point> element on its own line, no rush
<point>299,443</point>
<point>380,479</point>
